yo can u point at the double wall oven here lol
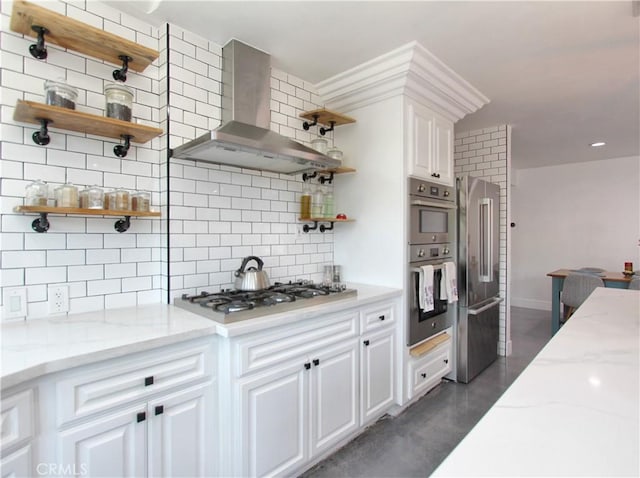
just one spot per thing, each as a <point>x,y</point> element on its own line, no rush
<point>432,230</point>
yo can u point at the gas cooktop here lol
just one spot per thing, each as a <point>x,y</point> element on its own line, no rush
<point>230,305</point>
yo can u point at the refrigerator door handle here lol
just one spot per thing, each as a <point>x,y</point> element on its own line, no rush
<point>485,270</point>
<point>491,304</point>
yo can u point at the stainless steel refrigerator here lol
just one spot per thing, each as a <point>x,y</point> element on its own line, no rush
<point>478,276</point>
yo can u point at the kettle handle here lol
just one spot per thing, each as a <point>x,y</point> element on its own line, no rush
<point>246,260</point>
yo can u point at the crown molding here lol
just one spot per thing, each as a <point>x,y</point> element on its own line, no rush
<point>410,70</point>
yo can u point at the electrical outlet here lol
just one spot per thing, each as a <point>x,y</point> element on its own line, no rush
<point>58,299</point>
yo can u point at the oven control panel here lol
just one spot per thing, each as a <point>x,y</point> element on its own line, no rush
<point>426,189</point>
<point>426,252</point>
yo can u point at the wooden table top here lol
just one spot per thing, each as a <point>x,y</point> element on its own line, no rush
<point>606,275</point>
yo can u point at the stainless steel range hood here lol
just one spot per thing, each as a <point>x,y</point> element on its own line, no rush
<point>244,139</point>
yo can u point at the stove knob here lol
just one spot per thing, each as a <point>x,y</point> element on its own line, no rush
<point>421,253</point>
<point>421,188</point>
<point>433,238</point>
<point>446,193</point>
<point>445,251</point>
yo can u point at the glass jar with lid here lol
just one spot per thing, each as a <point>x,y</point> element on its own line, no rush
<point>110,200</point>
<point>141,202</point>
<point>36,193</point>
<point>95,198</point>
<point>59,93</point>
<point>66,195</point>
<point>122,200</point>
<point>320,145</point>
<point>119,101</point>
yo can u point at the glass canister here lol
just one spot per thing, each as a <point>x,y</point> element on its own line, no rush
<point>305,202</point>
<point>66,195</point>
<point>320,145</point>
<point>84,198</point>
<point>59,93</point>
<point>37,193</point>
<point>119,101</point>
<point>141,202</point>
<point>328,209</point>
<point>317,202</point>
<point>122,200</point>
<point>95,198</point>
<point>110,200</point>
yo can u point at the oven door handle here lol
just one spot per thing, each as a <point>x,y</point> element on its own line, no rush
<point>439,204</point>
<point>417,270</point>
<point>491,304</point>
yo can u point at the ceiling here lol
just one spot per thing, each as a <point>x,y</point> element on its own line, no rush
<point>562,74</point>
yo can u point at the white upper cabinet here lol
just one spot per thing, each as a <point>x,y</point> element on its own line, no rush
<point>429,144</point>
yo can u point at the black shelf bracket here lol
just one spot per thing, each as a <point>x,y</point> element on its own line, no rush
<point>307,227</point>
<point>121,74</point>
<point>121,150</point>
<point>307,176</point>
<point>122,225</point>
<point>40,224</point>
<point>327,179</point>
<point>306,125</point>
<point>38,50</point>
<point>41,136</point>
<point>324,130</point>
<point>326,228</point>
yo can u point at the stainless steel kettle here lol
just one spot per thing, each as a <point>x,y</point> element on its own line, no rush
<point>252,278</point>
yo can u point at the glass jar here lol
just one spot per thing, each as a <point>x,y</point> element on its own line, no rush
<point>59,93</point>
<point>95,198</point>
<point>317,203</point>
<point>335,153</point>
<point>122,200</point>
<point>119,101</point>
<point>84,198</point>
<point>141,202</point>
<point>37,193</point>
<point>305,202</point>
<point>110,200</point>
<point>320,145</point>
<point>328,209</point>
<point>66,195</point>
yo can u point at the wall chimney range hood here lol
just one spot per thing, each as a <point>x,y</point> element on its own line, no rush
<point>244,139</point>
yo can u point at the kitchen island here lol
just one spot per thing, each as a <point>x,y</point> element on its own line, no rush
<point>574,410</point>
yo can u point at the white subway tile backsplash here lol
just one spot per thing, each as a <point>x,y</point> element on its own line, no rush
<point>45,275</point>
<point>65,258</point>
<point>103,256</point>
<point>103,287</point>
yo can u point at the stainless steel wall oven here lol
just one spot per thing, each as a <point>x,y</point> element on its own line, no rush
<point>431,242</point>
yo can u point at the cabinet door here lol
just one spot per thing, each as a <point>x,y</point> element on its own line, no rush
<point>427,372</point>
<point>419,141</point>
<point>378,374</point>
<point>180,431</point>
<point>334,395</point>
<point>274,409</point>
<point>442,166</point>
<point>20,463</point>
<point>113,445</point>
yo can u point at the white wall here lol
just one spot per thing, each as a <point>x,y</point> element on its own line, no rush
<point>570,216</point>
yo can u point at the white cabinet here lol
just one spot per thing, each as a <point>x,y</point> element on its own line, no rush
<point>295,410</point>
<point>426,371</point>
<point>429,144</point>
<point>149,414</point>
<point>378,374</point>
<point>18,433</point>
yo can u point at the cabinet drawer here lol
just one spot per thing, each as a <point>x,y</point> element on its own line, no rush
<point>427,371</point>
<point>287,343</point>
<point>379,315</point>
<point>17,418</point>
<point>95,388</point>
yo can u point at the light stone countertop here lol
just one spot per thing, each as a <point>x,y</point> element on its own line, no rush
<point>37,347</point>
<point>575,410</point>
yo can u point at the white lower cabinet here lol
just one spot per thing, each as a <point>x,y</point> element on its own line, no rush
<point>427,371</point>
<point>295,411</point>
<point>18,463</point>
<point>378,374</point>
<point>18,433</point>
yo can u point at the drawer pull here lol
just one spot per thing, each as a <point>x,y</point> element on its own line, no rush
<point>446,360</point>
<point>366,343</point>
<point>316,362</point>
<point>159,409</point>
<point>433,325</point>
<point>307,366</point>
<point>141,417</point>
<point>381,317</point>
<point>148,381</point>
<point>423,375</point>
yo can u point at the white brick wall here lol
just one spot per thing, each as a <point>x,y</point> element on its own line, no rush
<point>102,267</point>
<point>220,214</point>
<point>484,153</point>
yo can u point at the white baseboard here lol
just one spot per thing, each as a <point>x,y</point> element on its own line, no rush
<point>530,303</point>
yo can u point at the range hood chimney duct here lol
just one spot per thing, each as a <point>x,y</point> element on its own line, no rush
<point>244,139</point>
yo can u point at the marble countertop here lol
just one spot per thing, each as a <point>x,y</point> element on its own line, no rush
<point>574,411</point>
<point>37,347</point>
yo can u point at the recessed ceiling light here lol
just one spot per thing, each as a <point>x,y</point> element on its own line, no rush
<point>599,143</point>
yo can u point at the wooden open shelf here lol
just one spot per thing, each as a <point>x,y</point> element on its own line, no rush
<point>325,117</point>
<point>75,35</point>
<point>338,170</point>
<point>72,120</point>
<point>85,212</point>
<point>324,219</point>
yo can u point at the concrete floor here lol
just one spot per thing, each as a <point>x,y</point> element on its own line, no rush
<point>416,442</point>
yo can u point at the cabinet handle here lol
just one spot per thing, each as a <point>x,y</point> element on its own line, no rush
<point>141,417</point>
<point>159,409</point>
<point>381,317</point>
<point>148,381</point>
<point>423,375</point>
<point>446,360</point>
<point>307,366</point>
<point>435,175</point>
<point>316,362</point>
<point>366,343</point>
